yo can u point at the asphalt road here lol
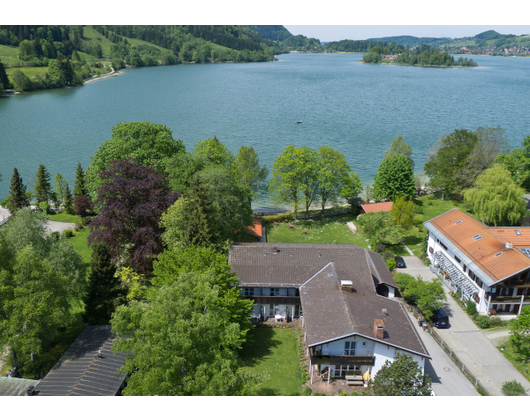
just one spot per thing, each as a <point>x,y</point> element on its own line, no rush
<point>468,341</point>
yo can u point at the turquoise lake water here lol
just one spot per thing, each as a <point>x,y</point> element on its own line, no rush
<point>355,108</point>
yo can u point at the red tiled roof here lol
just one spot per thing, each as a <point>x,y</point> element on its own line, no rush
<point>482,251</point>
<point>509,234</point>
<point>257,229</point>
<point>377,207</point>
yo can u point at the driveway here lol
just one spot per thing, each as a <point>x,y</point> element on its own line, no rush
<point>447,379</point>
<point>468,341</point>
<point>58,226</point>
<point>415,267</point>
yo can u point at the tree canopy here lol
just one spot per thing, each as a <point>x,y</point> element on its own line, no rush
<point>394,179</point>
<point>131,200</point>
<point>43,187</point>
<point>250,172</point>
<point>496,198</point>
<point>17,193</point>
<point>399,147</point>
<point>213,152</point>
<point>145,142</point>
<point>403,377</point>
<point>183,342</point>
<point>403,212</point>
<point>380,227</point>
<point>520,334</point>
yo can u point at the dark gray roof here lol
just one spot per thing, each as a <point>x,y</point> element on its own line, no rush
<point>292,264</point>
<point>330,314</point>
<point>380,271</point>
<point>12,387</point>
<point>81,372</point>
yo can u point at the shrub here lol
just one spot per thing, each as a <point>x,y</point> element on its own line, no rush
<point>78,226</point>
<point>471,308</point>
<point>5,202</point>
<point>306,392</point>
<point>391,264</point>
<point>56,235</point>
<point>429,202</point>
<point>402,280</point>
<point>418,209</point>
<point>380,248</point>
<point>387,255</point>
<point>483,322</point>
<point>417,221</point>
<point>44,206</point>
<point>513,388</point>
<point>83,221</point>
<point>495,321</point>
<point>67,233</point>
<point>319,394</point>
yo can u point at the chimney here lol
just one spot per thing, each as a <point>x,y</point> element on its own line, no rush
<point>346,285</point>
<point>509,245</point>
<point>274,250</point>
<point>378,329</point>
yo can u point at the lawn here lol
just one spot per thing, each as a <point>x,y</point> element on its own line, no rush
<point>9,54</point>
<point>272,354</point>
<point>79,241</point>
<point>510,354</point>
<point>66,218</point>
<point>331,230</point>
<point>28,71</point>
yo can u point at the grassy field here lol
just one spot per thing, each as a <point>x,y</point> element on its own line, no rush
<point>66,218</point>
<point>90,34</point>
<point>79,241</point>
<point>9,54</point>
<point>331,230</point>
<point>28,71</point>
<point>272,353</point>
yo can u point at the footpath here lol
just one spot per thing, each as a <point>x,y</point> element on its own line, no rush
<point>468,343</point>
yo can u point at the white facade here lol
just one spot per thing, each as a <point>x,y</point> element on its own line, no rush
<point>361,346</point>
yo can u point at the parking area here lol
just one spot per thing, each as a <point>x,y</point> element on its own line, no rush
<point>415,267</point>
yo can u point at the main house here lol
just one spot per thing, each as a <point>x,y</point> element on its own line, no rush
<point>491,266</point>
<point>344,294</point>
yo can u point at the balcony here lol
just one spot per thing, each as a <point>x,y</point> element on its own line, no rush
<point>456,276</point>
<point>343,360</point>
<point>278,300</point>
<point>495,298</point>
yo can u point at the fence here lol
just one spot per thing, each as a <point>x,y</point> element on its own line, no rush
<point>416,312</point>
<point>4,220</point>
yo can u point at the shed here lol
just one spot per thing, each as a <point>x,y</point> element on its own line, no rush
<point>87,368</point>
<point>12,387</point>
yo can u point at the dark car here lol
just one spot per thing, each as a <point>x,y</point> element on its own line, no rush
<point>440,319</point>
<point>400,262</point>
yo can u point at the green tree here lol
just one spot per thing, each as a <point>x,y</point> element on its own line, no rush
<point>294,175</point>
<point>60,185</point>
<point>17,193</point>
<point>496,197</point>
<point>4,80</point>
<point>402,377</point>
<point>394,179</point>
<point>145,142</point>
<point>403,212</point>
<point>68,200</point>
<point>334,176</point>
<point>250,172</point>
<point>428,296</point>
<point>515,161</point>
<point>351,188</point>
<point>43,187</point>
<point>380,228</point>
<point>399,147</point>
<point>79,184</point>
<point>520,334</point>
<point>183,342</point>
<point>213,152</point>
<point>448,156</point>
<point>34,300</point>
<point>180,169</point>
<point>21,82</point>
<point>104,292</point>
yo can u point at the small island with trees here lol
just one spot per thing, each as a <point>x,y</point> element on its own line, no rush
<point>423,55</point>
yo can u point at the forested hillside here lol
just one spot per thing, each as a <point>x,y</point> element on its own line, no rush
<point>272,32</point>
<point>31,52</point>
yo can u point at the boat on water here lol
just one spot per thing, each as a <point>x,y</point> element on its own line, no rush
<point>299,122</point>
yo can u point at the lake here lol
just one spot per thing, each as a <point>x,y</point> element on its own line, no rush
<point>355,108</point>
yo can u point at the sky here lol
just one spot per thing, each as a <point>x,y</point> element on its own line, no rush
<point>327,33</point>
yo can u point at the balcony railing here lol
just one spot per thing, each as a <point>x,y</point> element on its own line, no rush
<point>495,298</point>
<point>279,300</point>
<point>343,360</point>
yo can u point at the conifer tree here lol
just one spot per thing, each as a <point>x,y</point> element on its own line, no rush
<point>68,200</point>
<point>17,193</point>
<point>104,291</point>
<point>79,185</point>
<point>4,81</point>
<point>43,187</point>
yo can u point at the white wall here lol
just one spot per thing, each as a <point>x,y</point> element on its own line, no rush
<point>382,352</point>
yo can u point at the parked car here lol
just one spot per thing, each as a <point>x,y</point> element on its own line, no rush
<point>400,262</point>
<point>440,319</point>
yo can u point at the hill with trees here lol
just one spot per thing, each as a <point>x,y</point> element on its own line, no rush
<point>50,56</point>
<point>272,32</point>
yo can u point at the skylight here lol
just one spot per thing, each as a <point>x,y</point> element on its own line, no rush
<point>477,237</point>
<point>457,223</point>
<point>518,233</point>
<point>500,253</point>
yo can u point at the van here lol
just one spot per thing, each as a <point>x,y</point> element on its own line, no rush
<point>440,319</point>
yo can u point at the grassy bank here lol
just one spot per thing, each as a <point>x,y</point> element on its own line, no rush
<point>510,354</point>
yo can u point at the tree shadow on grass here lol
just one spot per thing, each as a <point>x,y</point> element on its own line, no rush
<point>260,342</point>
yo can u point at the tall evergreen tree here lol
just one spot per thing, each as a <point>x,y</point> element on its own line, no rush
<point>68,200</point>
<point>4,81</point>
<point>17,193</point>
<point>43,187</point>
<point>79,185</point>
<point>104,291</point>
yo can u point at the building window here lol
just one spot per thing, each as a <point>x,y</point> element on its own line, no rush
<point>249,291</point>
<point>349,348</point>
<point>275,291</point>
<point>457,259</point>
<point>431,250</point>
<point>443,246</point>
